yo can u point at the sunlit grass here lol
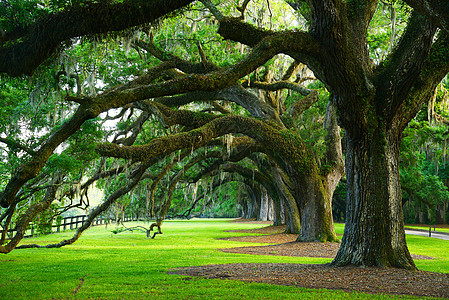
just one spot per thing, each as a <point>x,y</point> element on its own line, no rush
<point>130,266</point>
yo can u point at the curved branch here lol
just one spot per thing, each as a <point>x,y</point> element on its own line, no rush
<point>45,36</point>
<point>158,179</point>
<point>265,50</point>
<point>170,117</point>
<point>92,107</point>
<point>97,210</point>
<point>16,145</point>
<point>213,9</point>
<point>436,67</point>
<point>181,64</point>
<point>436,10</point>
<point>234,93</point>
<point>277,141</point>
<point>31,213</point>
<point>30,169</point>
<point>403,66</point>
<point>278,85</point>
<point>302,105</point>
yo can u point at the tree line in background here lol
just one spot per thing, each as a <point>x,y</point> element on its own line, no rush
<point>186,108</point>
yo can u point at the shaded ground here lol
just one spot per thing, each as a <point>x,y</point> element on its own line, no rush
<point>369,280</point>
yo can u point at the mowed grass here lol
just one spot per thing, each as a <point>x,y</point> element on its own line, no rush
<point>102,265</point>
<point>426,228</point>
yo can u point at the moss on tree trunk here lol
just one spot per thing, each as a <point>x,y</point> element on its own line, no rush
<point>374,232</point>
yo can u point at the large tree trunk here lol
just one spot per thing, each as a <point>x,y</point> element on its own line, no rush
<point>374,232</point>
<point>279,212</point>
<point>244,205</point>
<point>264,206</point>
<point>316,190</point>
<point>282,182</point>
<point>317,224</point>
<point>253,208</point>
<point>270,215</point>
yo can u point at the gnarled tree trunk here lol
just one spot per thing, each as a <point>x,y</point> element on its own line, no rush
<point>316,211</point>
<point>374,232</point>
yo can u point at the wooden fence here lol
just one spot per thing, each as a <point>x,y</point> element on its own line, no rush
<point>69,223</point>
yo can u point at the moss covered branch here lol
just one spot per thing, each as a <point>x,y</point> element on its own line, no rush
<point>282,144</point>
<point>39,41</point>
<point>436,10</point>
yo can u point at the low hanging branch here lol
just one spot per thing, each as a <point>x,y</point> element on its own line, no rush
<point>31,213</point>
<point>138,228</point>
<point>35,44</point>
<point>265,133</point>
<point>278,85</point>
<point>98,210</point>
<point>159,177</point>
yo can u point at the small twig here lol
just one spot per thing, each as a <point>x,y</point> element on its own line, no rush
<point>213,9</point>
<point>14,144</point>
<point>202,55</point>
<point>271,14</point>
<point>242,8</point>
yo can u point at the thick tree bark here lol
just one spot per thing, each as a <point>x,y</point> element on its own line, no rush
<point>436,10</point>
<point>264,206</point>
<point>284,186</point>
<point>279,212</point>
<point>374,232</point>
<point>41,40</point>
<point>316,190</point>
<point>316,211</point>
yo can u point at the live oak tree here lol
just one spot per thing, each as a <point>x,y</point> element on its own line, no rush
<point>374,101</point>
<point>301,182</point>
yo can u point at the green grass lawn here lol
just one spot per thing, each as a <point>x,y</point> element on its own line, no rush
<point>129,266</point>
<point>426,227</point>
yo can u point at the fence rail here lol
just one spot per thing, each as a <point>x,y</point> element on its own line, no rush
<point>69,223</point>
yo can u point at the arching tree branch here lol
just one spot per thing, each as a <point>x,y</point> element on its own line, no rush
<point>43,38</point>
<point>437,11</point>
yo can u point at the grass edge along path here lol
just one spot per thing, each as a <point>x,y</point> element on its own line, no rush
<point>102,265</point>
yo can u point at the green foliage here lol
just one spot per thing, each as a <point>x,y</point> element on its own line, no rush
<point>225,202</point>
<point>422,153</point>
<point>17,14</point>
<point>79,151</point>
<point>44,220</point>
<point>309,125</point>
<point>389,15</point>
